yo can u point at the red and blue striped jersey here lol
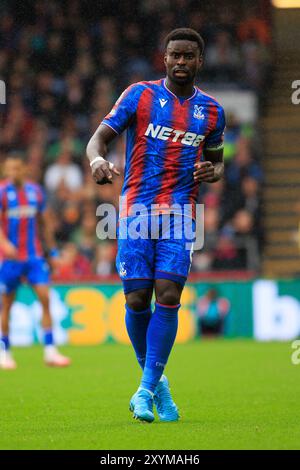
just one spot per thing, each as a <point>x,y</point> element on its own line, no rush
<point>19,207</point>
<point>166,136</point>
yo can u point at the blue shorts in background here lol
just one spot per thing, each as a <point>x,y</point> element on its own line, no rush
<point>142,260</point>
<point>36,271</point>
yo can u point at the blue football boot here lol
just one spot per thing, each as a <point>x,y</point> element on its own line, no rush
<point>166,408</point>
<point>141,404</point>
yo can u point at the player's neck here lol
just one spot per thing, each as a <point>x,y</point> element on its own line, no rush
<point>182,91</point>
<point>17,183</point>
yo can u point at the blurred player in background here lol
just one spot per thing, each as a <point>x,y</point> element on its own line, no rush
<point>23,220</point>
<point>174,142</point>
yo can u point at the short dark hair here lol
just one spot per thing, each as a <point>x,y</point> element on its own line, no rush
<point>188,34</point>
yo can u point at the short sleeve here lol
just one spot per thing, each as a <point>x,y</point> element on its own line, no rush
<point>214,140</point>
<point>124,109</point>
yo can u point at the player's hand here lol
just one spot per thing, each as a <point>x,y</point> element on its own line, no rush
<point>103,172</point>
<point>9,250</point>
<point>55,263</point>
<point>204,172</point>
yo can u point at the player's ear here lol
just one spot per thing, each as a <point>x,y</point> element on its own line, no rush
<point>165,58</point>
<point>200,61</point>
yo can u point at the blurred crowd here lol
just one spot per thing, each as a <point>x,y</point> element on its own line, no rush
<point>65,64</point>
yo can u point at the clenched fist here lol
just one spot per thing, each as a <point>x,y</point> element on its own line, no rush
<point>204,172</point>
<point>103,172</point>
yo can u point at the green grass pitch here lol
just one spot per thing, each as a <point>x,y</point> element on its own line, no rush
<point>232,394</point>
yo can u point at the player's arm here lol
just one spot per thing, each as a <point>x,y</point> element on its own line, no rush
<point>96,151</point>
<point>112,125</point>
<point>212,169</point>
<point>9,250</point>
<point>45,223</point>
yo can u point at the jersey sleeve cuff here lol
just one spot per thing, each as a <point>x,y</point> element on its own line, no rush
<point>109,125</point>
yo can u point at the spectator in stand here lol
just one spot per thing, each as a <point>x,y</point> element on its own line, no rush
<point>105,258</point>
<point>256,64</point>
<point>18,125</point>
<point>242,165</point>
<point>236,248</point>
<point>252,27</point>
<point>213,194</point>
<point>69,217</point>
<point>85,236</point>
<point>225,254</point>
<point>233,132</point>
<point>222,58</point>
<point>211,313</point>
<point>72,263</point>
<point>35,155</point>
<point>243,226</point>
<point>251,200</point>
<point>203,259</point>
<point>67,141</point>
<point>63,171</point>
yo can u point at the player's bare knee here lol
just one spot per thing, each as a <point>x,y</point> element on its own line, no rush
<point>138,300</point>
<point>5,311</point>
<point>138,304</point>
<point>167,292</point>
<point>44,300</point>
<point>168,298</point>
<point>7,302</point>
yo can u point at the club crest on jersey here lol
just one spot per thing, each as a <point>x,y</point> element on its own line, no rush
<point>122,270</point>
<point>198,114</point>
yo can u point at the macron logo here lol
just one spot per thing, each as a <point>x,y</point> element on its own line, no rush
<point>162,102</point>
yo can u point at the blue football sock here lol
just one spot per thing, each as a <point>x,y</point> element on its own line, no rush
<point>48,337</point>
<point>137,325</point>
<point>161,335</point>
<point>5,342</point>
